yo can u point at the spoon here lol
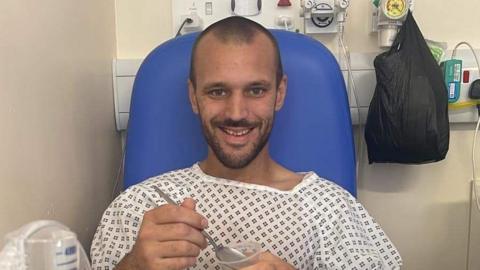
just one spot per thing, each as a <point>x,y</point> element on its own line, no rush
<point>225,254</point>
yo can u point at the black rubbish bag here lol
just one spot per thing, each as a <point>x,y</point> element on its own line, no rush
<point>408,116</point>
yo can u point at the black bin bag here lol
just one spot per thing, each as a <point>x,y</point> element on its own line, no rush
<point>408,116</point>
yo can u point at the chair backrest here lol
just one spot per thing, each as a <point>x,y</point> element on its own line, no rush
<point>312,132</point>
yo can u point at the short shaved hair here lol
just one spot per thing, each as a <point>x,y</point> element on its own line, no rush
<point>237,30</point>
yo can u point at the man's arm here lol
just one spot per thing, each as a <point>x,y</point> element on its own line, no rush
<point>127,263</point>
<point>351,238</point>
<point>169,238</point>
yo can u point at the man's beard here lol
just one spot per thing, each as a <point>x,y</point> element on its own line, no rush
<point>231,160</point>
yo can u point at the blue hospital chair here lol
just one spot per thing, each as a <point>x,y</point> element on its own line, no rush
<point>312,132</point>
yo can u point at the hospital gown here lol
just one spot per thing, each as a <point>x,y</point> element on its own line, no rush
<point>316,225</point>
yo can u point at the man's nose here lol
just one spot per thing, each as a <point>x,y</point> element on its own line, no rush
<point>237,107</point>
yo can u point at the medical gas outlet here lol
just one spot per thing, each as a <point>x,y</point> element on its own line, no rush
<point>388,17</point>
<point>322,16</point>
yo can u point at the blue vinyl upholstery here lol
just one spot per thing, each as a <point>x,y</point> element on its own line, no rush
<point>312,132</point>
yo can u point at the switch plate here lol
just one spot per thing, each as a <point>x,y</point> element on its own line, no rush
<point>208,8</point>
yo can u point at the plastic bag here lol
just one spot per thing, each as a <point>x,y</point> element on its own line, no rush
<point>408,116</point>
<point>437,49</point>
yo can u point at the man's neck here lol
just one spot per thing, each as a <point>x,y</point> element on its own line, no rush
<point>259,168</point>
<point>263,170</point>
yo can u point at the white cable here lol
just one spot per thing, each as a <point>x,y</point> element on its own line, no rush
<point>474,166</point>
<point>477,198</point>
<point>474,186</point>
<point>473,152</point>
<point>351,81</point>
<point>285,24</point>
<point>119,173</point>
<point>454,53</point>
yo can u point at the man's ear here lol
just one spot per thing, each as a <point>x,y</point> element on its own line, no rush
<point>191,95</point>
<point>281,93</point>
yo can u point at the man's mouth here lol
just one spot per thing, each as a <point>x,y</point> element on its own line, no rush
<point>237,132</point>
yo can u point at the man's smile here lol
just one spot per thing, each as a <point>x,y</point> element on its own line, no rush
<point>236,136</point>
<point>235,131</point>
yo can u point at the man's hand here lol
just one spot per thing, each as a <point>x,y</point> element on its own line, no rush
<point>169,238</point>
<point>268,261</point>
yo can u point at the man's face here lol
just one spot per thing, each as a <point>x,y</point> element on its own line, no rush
<point>236,97</point>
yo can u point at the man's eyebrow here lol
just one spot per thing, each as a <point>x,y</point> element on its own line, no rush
<point>214,85</point>
<point>260,83</point>
<point>211,85</point>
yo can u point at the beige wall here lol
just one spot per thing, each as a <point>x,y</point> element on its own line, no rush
<point>424,209</point>
<point>58,146</point>
<point>143,24</point>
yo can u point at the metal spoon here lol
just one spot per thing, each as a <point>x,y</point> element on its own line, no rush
<point>225,254</point>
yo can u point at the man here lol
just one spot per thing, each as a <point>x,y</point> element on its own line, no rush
<point>238,193</point>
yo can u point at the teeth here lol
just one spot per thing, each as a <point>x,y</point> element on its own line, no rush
<point>237,133</point>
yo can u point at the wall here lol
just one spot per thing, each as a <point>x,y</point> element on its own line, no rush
<point>423,208</point>
<point>58,146</point>
<point>143,24</point>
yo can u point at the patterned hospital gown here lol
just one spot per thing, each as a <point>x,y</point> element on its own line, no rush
<point>316,225</point>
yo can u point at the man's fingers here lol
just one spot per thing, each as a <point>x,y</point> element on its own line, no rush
<point>268,261</point>
<point>174,249</point>
<point>189,203</point>
<point>169,213</point>
<point>179,263</point>
<point>166,255</point>
<point>267,256</point>
<point>173,232</point>
<point>262,265</point>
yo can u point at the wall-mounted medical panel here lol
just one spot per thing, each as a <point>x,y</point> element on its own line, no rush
<point>275,14</point>
<point>124,71</point>
<point>304,16</point>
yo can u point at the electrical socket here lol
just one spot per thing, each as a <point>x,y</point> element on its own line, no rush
<point>195,25</point>
<point>282,20</point>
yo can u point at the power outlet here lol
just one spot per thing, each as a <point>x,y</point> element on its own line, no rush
<point>195,25</point>
<point>284,22</point>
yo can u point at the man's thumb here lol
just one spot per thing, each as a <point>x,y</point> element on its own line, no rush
<point>189,203</point>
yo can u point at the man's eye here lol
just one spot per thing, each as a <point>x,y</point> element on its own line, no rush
<point>217,93</point>
<point>256,91</point>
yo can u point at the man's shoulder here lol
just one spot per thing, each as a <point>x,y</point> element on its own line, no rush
<point>174,182</point>
<point>325,188</point>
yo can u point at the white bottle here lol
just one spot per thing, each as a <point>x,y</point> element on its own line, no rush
<point>43,245</point>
